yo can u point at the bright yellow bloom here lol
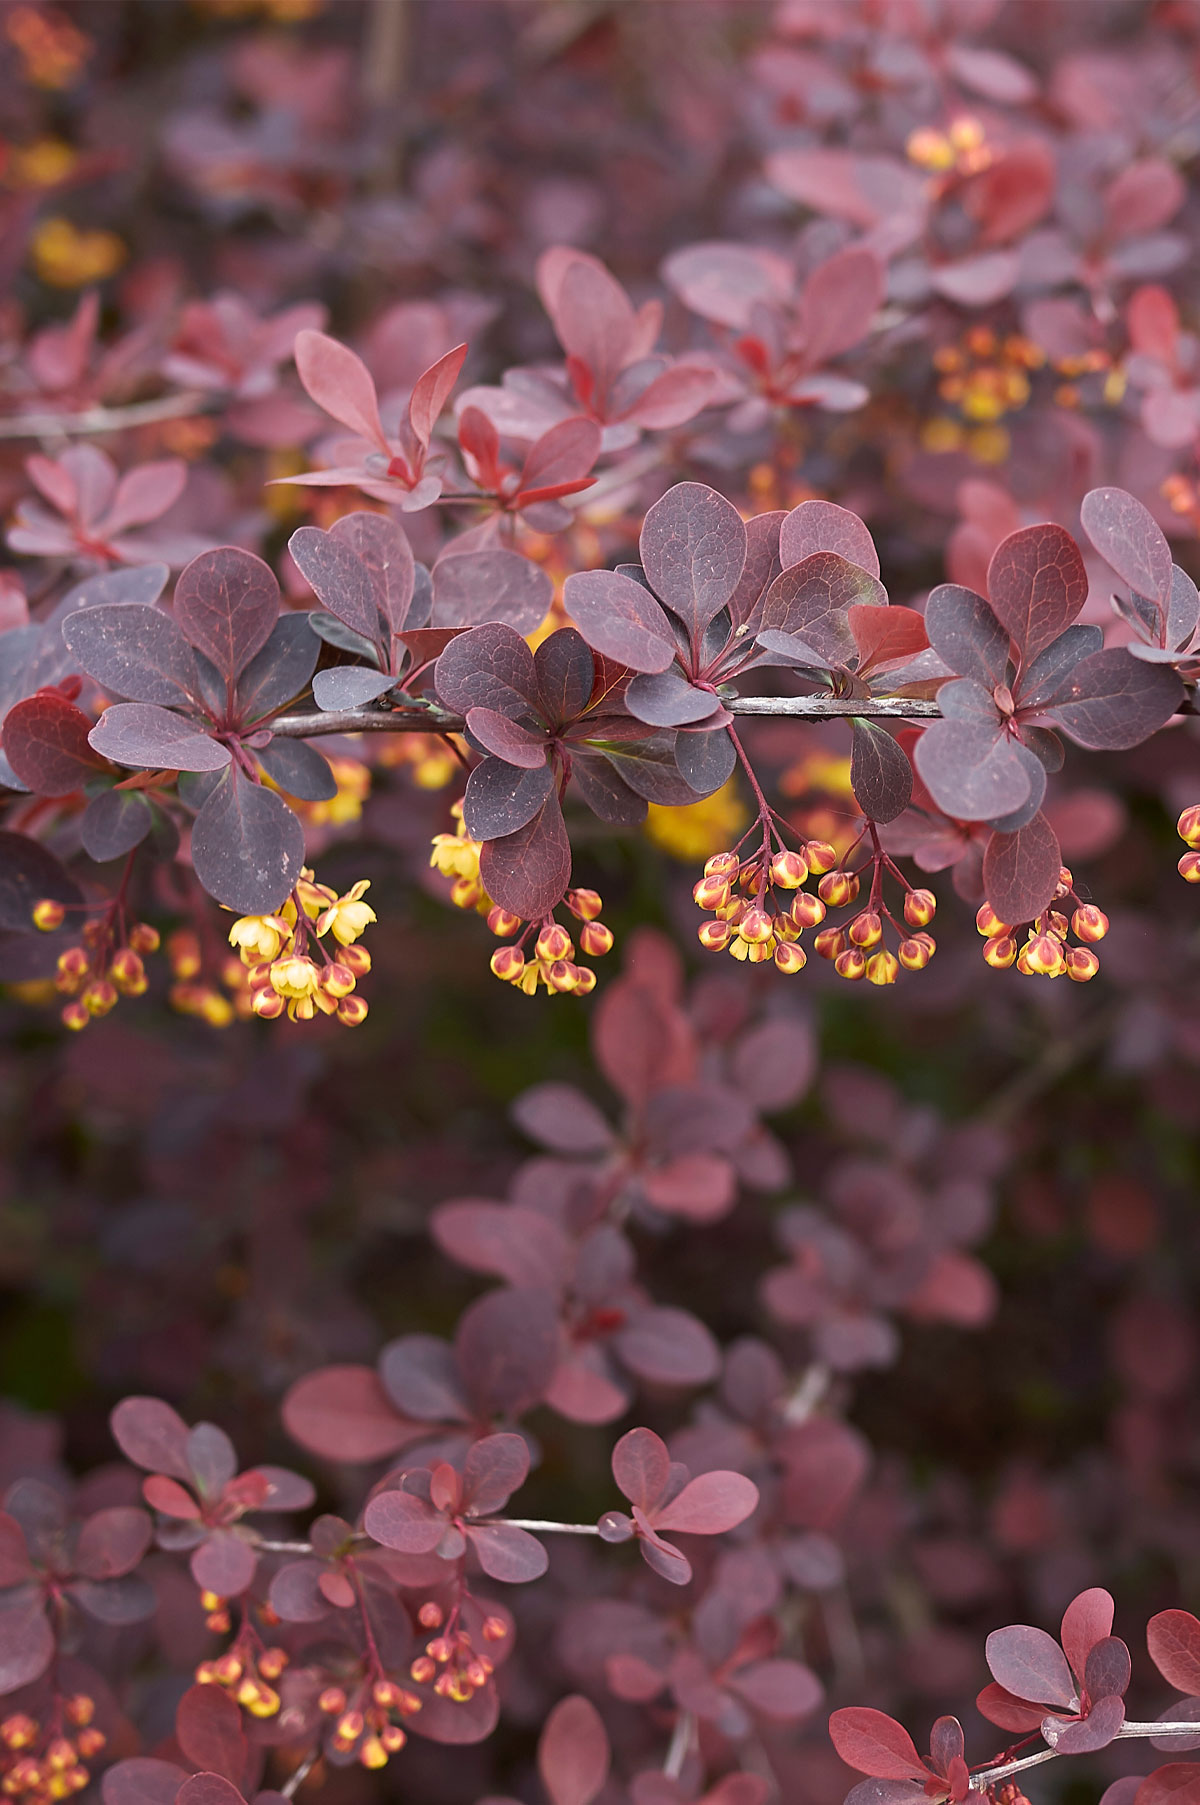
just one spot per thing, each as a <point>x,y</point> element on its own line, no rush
<point>67,258</point>
<point>348,916</point>
<point>259,938</point>
<point>295,978</point>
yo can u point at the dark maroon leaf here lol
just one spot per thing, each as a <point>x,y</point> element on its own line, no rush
<point>875,1744</point>
<point>280,670</point>
<point>45,740</point>
<point>1020,875</point>
<point>1184,1710</point>
<point>573,1753</point>
<point>420,1375</point>
<point>886,1792</point>
<point>224,1564</point>
<point>494,1469</point>
<point>114,823</point>
<point>1178,1783</point>
<point>966,635</point>
<point>501,798</point>
<point>566,672</point>
<point>142,734</point>
<point>133,650</point>
<point>343,1413</point>
<point>247,846</point>
<point>508,1554</point>
<point>407,1524</point>
<point>210,1789</point>
<point>1107,1671</point>
<point>227,601</point>
<point>112,1542</point>
<point>648,767</point>
<point>783,1691</point>
<point>26,1641</point>
<point>1047,676</point>
<point>606,794</point>
<point>1114,701</point>
<point>1037,584</point>
<point>1088,1619</point>
<point>971,768</point>
<point>493,585</point>
<point>507,1348</point>
<point>821,526</point>
<point>296,1595</point>
<point>693,549</point>
<point>528,871</point>
<point>1128,537</point>
<point>1173,1638</point>
<point>762,566</point>
<point>208,1728</point>
<point>299,770</point>
<point>338,577</point>
<point>668,700</point>
<point>15,1565</point>
<point>706,760</point>
<point>1095,1731</point>
<point>504,737</point>
<point>880,774</point>
<point>129,1599</point>
<point>489,667</point>
<point>510,1241</point>
<point>810,599</point>
<point>620,619</point>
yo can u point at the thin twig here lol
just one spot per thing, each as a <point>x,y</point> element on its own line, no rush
<point>1129,1732</point>
<point>96,420</point>
<point>539,1527</point>
<point>299,1775</point>
<point>681,1742</point>
<point>425,719</point>
<point>835,708</point>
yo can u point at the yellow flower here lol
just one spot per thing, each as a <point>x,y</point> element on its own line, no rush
<point>67,258</point>
<point>697,828</point>
<point>348,916</point>
<point>43,164</point>
<point>295,978</point>
<point>259,938</point>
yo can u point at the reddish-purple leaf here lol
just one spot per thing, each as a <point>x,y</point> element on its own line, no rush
<point>26,1641</point>
<point>340,382</point>
<point>1127,536</point>
<point>1020,875</point>
<point>885,635</point>
<point>562,1119</point>
<point>209,1789</point>
<point>420,1375</point>
<point>142,1780</point>
<point>431,392</point>
<point>169,1497</point>
<point>667,699</point>
<point>208,1728</point>
<point>1173,1638</point>
<point>112,1542</point>
<point>224,1564</point>
<point>1178,1783</point>
<point>973,770</point>
<point>401,1521</point>
<point>880,774</point>
<point>566,675</point>
<point>966,635</point>
<point>45,740</point>
<point>660,1556</point>
<point>620,619</point>
<point>838,303</point>
<point>143,734</point>
<point>381,545</point>
<point>1000,1707</point>
<point>513,1243</point>
<point>152,1435</point>
<point>811,598</point>
<point>338,577</point>
<point>247,846</point>
<point>821,526</point>
<point>506,1347</point>
<point>500,798</point>
<point>710,1504</point>
<point>1143,197</point>
<point>876,1744</point>
<point>528,871</point>
<point>489,667</point>
<point>1095,1731</point>
<point>15,1566</point>
<point>693,549</point>
<point>507,1553</point>
<point>1037,584</point>
<point>573,1753</point>
<point>1026,1661</point>
<point>886,1792</point>
<point>946,1743</point>
<point>783,1691</point>
<point>1088,1619</point>
<point>504,737</point>
<point>1184,1710</point>
<point>668,1346</point>
<point>641,1467</point>
<point>227,601</point>
<point>113,823</point>
<point>133,650</point>
<point>1107,1670</point>
<point>492,585</point>
<point>494,1469</point>
<point>1114,701</point>
<point>343,1413</point>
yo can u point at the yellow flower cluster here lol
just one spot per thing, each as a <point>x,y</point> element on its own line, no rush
<point>282,974</point>
<point>100,969</point>
<point>367,1726</point>
<point>552,963</point>
<point>40,1764</point>
<point>987,376</point>
<point>456,856</point>
<point>353,779</point>
<point>961,150</point>
<point>1046,953</point>
<point>248,1675</point>
<point>65,257</point>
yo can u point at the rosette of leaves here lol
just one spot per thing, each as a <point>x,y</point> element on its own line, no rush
<point>199,687</point>
<point>1021,670</point>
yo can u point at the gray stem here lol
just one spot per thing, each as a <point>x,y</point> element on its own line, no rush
<point>1129,1731</point>
<point>104,419</point>
<point>539,1527</point>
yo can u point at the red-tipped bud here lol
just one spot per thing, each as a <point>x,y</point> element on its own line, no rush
<point>183,951</point>
<point>127,972</point>
<point>337,980</point>
<point>76,1015</point>
<point>431,1616</point>
<point>711,892</point>
<point>990,924</point>
<point>143,938</point>
<point>1189,867</point>
<point>851,964</point>
<point>585,980</point>
<point>788,870</point>
<point>830,942</point>
<point>356,959</point>
<point>1081,963</point>
<point>495,1629</point>
<point>715,935</point>
<point>820,856</point>
<point>920,907</point>
<point>866,929</point>
<point>352,1012</point>
<point>585,905</point>
<point>502,922</point>
<point>554,943</point>
<point>1000,952</point>
<point>882,968</point>
<point>563,976</point>
<point>1043,955</point>
<point>837,888</point>
<point>72,967</point>
<point>268,1003</point>
<point>755,927</point>
<point>1089,922</point>
<point>913,954</point>
<point>789,957</point>
<point>808,911</point>
<point>1189,825</point>
<point>100,996</point>
<point>48,915</point>
<point>1056,924</point>
<point>508,962</point>
<point>595,939</point>
<point>723,864</point>
<point>1066,882</point>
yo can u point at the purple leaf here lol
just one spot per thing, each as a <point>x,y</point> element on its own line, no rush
<point>152,1435</point>
<point>781,1690</point>
<point>247,846</point>
<point>227,601</point>
<point>26,1642</point>
<point>837,305</point>
<point>382,545</point>
<point>508,1554</point>
<point>488,667</point>
<point>343,1413</point>
<point>1047,676</point>
<point>399,1520</point>
<point>573,1753</point>
<point>15,1566</point>
<point>45,740</point>
<point>349,686</point>
<point>1114,701</point>
<point>494,1469</point>
<point>971,768</point>
<point>810,599</point>
<point>562,1119</point>
<point>566,673</point>
<point>1128,537</point>
<point>493,585</point>
<point>1026,1661</point>
<point>710,1504</point>
<point>1088,1619</point>
<point>299,770</point>
<point>1184,1710</point>
<point>1037,584</point>
<point>1020,876</point>
<point>506,1347</point>
<point>620,619</point>
<point>966,635</point>
<point>211,1458</point>
<point>208,1789</point>
<point>1173,1638</point>
<point>112,1542</point>
<point>946,1743</point>
<point>133,650</point>
<point>880,774</point>
<point>693,549</point>
<point>641,1467</point>
<point>528,871</point>
<point>142,1780</point>
<point>668,700</point>
<point>114,823</point>
<point>513,1243</point>
<point>295,1593</point>
<point>661,1557</point>
<point>129,1599</point>
<point>499,734</point>
<point>208,1728</point>
<point>821,526</point>
<point>1178,1783</point>
<point>420,1375</point>
<point>1107,1670</point>
<point>1095,1731</point>
<point>875,1744</point>
<point>142,734</point>
<point>224,1564</point>
<point>338,577</point>
<point>706,759</point>
<point>669,1347</point>
<point>280,670</point>
<point>501,798</point>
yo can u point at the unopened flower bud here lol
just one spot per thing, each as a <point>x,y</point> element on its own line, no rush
<point>48,915</point>
<point>711,892</point>
<point>913,954</point>
<point>585,905</point>
<point>393,1738</point>
<point>722,864</point>
<point>563,976</point>
<point>790,957</point>
<point>920,907</point>
<point>143,938</point>
<point>431,1616</point>
<point>820,856</point>
<point>595,939</point>
<point>502,922</point>
<point>1043,955</point>
<point>830,942</point>
<point>851,964</point>
<point>183,951</point>
<point>1189,867</point>
<point>837,888</point>
<point>715,935</point>
<point>882,968</point>
<point>100,996</point>
<point>866,929</point>
<point>1089,922</point>
<point>268,1004</point>
<point>586,980</point>
<point>508,962</point>
<point>127,972</point>
<point>356,959</point>
<point>1000,952</point>
<point>331,1701</point>
<point>990,924</point>
<point>72,967</point>
<point>352,1012</point>
<point>495,1629</point>
<point>554,943</point>
<point>1081,963</point>
<point>755,927</point>
<point>372,1753</point>
<point>807,910</point>
<point>337,980</point>
<point>788,870</point>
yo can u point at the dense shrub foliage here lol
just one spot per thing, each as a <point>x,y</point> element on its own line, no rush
<point>575,487</point>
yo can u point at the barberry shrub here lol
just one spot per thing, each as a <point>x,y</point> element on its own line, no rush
<point>661,479</point>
